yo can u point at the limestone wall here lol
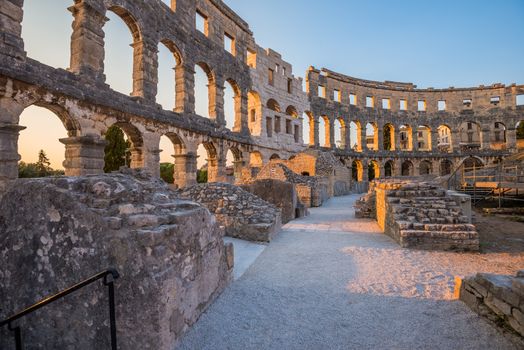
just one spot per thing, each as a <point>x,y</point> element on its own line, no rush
<point>56,232</point>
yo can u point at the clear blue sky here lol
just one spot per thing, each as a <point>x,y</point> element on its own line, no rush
<point>430,43</point>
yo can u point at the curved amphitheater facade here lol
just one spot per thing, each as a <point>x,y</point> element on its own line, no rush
<point>392,128</point>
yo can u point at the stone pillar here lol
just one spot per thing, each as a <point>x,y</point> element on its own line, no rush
<point>485,136</point>
<point>137,157</point>
<point>365,169</point>
<point>185,170</point>
<point>316,124</point>
<point>145,68</point>
<point>397,168</point>
<point>241,113</point>
<point>396,134</point>
<point>216,170</point>
<point>11,14</point>
<point>346,137</point>
<point>414,139</point>
<point>511,139</point>
<point>84,155</point>
<point>87,41</point>
<point>9,156</point>
<point>185,87</point>
<point>216,102</point>
<point>330,138</point>
<point>238,165</point>
<point>363,141</point>
<point>380,138</point>
<point>434,140</point>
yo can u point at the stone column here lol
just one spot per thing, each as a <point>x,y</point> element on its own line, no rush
<point>145,68</point>
<point>397,168</point>
<point>331,137</point>
<point>216,102</point>
<point>9,156</point>
<point>11,14</point>
<point>397,139</point>
<point>414,139</point>
<point>216,170</point>
<point>185,88</point>
<point>380,138</point>
<point>87,41</point>
<point>365,169</point>
<point>346,136</point>
<point>511,138</point>
<point>185,170</point>
<point>84,155</point>
<point>363,141</point>
<point>485,136</point>
<point>316,124</point>
<point>241,114</point>
<point>434,140</point>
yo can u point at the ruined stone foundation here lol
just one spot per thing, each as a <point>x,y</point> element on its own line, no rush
<point>59,231</point>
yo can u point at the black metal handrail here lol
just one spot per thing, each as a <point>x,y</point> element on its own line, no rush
<point>112,315</point>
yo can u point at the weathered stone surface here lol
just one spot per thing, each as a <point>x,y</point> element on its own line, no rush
<point>494,297</point>
<point>56,232</point>
<point>281,194</point>
<point>243,214</point>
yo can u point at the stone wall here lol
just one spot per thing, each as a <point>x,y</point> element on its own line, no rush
<point>55,232</point>
<point>499,298</point>
<point>243,214</point>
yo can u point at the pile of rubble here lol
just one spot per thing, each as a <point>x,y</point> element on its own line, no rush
<point>243,214</point>
<point>169,253</point>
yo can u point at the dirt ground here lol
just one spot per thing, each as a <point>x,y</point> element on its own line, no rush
<point>499,234</point>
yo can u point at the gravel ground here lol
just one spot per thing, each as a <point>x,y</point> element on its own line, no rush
<point>330,281</point>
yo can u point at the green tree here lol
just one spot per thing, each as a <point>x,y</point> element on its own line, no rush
<point>520,131</point>
<point>387,138</point>
<point>202,176</point>
<point>26,171</point>
<point>43,165</point>
<point>167,172</point>
<point>117,150</point>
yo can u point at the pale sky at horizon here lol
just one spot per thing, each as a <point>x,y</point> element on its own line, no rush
<point>438,44</point>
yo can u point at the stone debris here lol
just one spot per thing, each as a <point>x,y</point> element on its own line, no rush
<point>57,232</point>
<point>243,214</point>
<point>500,298</point>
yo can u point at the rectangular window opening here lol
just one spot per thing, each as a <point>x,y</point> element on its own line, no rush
<point>369,101</point>
<point>353,99</point>
<point>467,102</point>
<point>336,95</point>
<point>269,126</point>
<point>403,105</point>
<point>201,23</point>
<point>290,86</point>
<point>519,100</point>
<point>270,77</point>
<point>441,105</point>
<point>495,100</point>
<point>289,129</point>
<point>277,124</point>
<point>321,91</point>
<point>229,43</point>
<point>386,103</point>
<point>251,58</point>
<point>421,105</point>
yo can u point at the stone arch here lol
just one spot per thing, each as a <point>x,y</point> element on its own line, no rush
<point>236,163</point>
<point>407,168</point>
<point>372,136</point>
<point>519,130</point>
<point>424,138</point>
<point>389,168</point>
<point>208,169</point>
<point>324,131</point>
<point>470,135</point>
<point>425,167</point>
<point>444,142</point>
<point>446,167</point>
<point>292,112</point>
<point>175,81</point>
<point>202,70</point>
<point>134,154</point>
<point>498,136</point>
<point>168,167</point>
<point>388,143</point>
<point>274,156</point>
<point>373,170</point>
<point>339,129</point>
<point>405,137</point>
<point>472,162</point>
<point>308,127</point>
<point>355,130</point>
<point>273,105</point>
<point>232,111</point>
<point>357,170</point>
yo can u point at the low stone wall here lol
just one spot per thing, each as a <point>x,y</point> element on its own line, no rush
<point>243,214</point>
<point>499,298</point>
<point>419,215</point>
<point>55,232</point>
<point>281,194</point>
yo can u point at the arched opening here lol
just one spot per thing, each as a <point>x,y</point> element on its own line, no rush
<point>255,113</point>
<point>232,105</point>
<point>470,135</point>
<point>169,60</point>
<point>308,129</point>
<point>407,168</point>
<point>373,170</point>
<point>388,168</point>
<point>274,156</point>
<point>340,133</point>
<point>446,167</point>
<point>425,167</point>
<point>207,163</point>
<point>444,139</point>
<point>171,146</point>
<point>273,105</point>
<point>389,137</point>
<point>292,128</point>
<point>520,135</point>
<point>355,135</point>
<point>204,85</point>
<point>233,165</point>
<point>498,136</point>
<point>56,52</point>
<point>273,123</point>
<point>121,48</point>
<point>123,147</point>
<point>42,154</point>
<point>372,136</point>
<point>323,131</point>
<point>406,138</point>
<point>472,163</point>
<point>424,138</point>
<point>357,170</point>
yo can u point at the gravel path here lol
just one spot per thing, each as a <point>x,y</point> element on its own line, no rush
<point>330,281</point>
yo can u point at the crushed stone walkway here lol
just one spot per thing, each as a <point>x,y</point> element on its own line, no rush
<point>330,281</point>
